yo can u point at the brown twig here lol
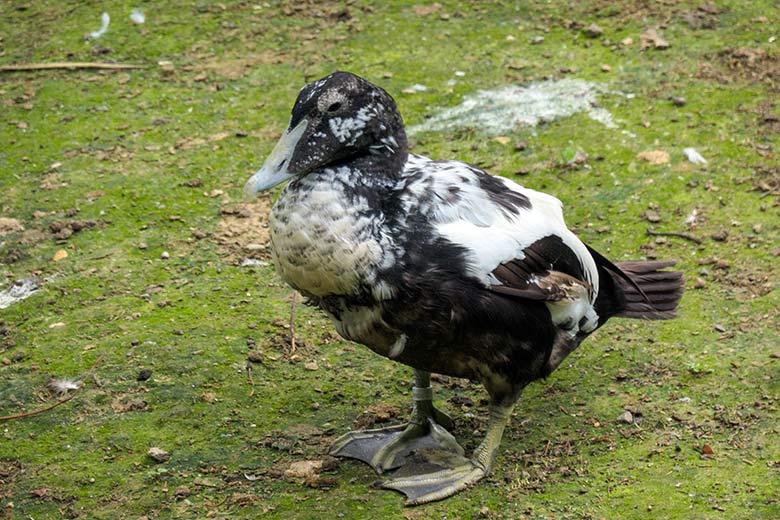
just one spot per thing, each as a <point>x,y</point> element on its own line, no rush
<point>68,65</point>
<point>56,404</point>
<point>250,379</point>
<point>686,236</point>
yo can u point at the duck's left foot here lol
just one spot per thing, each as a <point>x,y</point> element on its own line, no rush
<point>432,474</point>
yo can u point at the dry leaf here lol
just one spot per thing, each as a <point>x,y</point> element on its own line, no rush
<point>651,38</point>
<point>654,156</point>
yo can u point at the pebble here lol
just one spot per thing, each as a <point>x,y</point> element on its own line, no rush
<point>593,31</point>
<point>652,216</point>
<point>158,454</point>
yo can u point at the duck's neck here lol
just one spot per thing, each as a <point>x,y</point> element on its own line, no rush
<point>383,162</point>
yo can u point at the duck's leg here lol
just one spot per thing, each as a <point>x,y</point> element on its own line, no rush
<point>432,475</point>
<point>388,448</point>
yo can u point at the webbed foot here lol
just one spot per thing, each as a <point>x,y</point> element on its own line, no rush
<point>388,448</point>
<point>432,474</point>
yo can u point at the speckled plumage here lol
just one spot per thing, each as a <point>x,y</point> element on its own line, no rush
<point>436,264</point>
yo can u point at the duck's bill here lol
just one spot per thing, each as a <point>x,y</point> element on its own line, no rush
<point>275,169</point>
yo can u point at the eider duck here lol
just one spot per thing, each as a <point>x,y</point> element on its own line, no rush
<point>439,266</point>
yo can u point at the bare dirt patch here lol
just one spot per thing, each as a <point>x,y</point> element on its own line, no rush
<point>743,64</point>
<point>768,117</point>
<point>9,469</point>
<point>242,230</point>
<point>376,413</point>
<point>9,225</point>
<point>238,67</point>
<point>767,179</point>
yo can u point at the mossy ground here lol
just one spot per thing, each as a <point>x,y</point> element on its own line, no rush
<point>157,157</point>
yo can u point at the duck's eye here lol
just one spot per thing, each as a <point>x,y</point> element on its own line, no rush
<point>334,106</point>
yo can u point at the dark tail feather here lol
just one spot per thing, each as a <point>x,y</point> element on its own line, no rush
<point>651,293</point>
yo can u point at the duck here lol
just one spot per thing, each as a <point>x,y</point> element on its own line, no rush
<point>437,265</point>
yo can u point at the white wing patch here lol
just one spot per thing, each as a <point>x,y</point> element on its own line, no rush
<point>464,213</point>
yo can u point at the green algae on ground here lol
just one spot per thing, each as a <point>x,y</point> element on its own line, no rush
<point>158,156</point>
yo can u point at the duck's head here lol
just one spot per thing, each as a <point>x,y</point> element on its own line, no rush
<point>336,120</point>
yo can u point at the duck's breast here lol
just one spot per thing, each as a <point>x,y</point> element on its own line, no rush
<point>326,240</point>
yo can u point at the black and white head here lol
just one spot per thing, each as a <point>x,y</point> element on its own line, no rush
<point>336,120</point>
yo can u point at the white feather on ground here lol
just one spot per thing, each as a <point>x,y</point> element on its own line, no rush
<point>63,386</point>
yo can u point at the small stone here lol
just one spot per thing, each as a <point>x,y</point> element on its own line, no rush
<point>626,417</point>
<point>722,264</point>
<point>593,31</point>
<point>303,469</point>
<point>652,216</point>
<point>158,454</point>
<point>144,374</point>
<point>720,236</point>
<point>165,255</point>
